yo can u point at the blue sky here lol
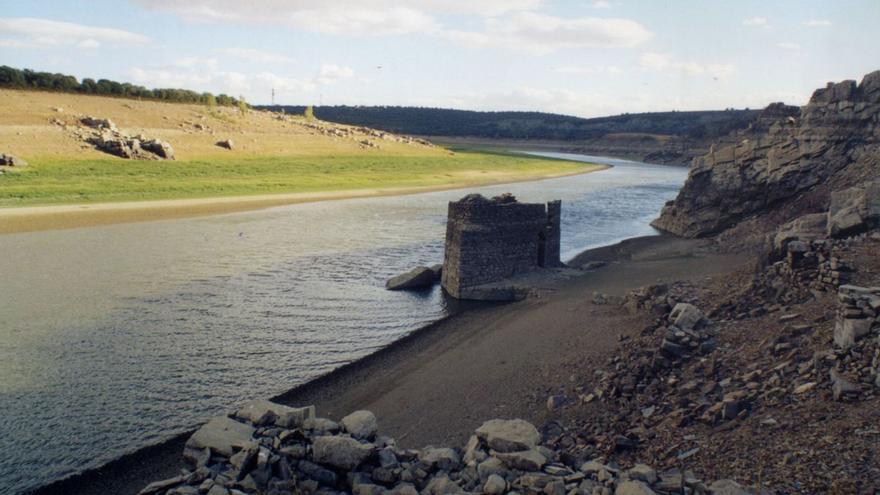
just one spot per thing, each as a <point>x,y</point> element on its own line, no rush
<point>587,58</point>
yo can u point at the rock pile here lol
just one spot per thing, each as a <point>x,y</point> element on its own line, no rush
<point>364,136</point>
<point>857,314</point>
<point>272,449</point>
<point>107,137</point>
<point>11,161</point>
<point>835,135</point>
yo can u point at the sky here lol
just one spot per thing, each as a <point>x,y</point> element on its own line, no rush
<point>587,58</point>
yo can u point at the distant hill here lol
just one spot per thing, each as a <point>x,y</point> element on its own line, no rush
<point>530,125</point>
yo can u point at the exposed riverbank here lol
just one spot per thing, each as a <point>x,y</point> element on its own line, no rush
<point>38,218</point>
<point>438,384</point>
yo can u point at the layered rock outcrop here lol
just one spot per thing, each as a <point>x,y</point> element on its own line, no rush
<point>785,153</point>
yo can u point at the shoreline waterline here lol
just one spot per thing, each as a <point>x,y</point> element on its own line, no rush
<point>21,219</point>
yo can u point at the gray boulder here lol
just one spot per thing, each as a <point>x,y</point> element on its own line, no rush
<point>509,435</point>
<point>495,485</point>
<point>633,488</point>
<point>417,278</point>
<point>854,210</point>
<point>96,123</point>
<point>526,460</point>
<point>263,412</point>
<point>728,487</point>
<point>686,316</point>
<point>340,452</point>
<point>849,330</point>
<point>226,143</point>
<point>222,435</point>
<point>361,424</point>
<point>444,458</point>
<point>806,228</point>
<point>159,148</point>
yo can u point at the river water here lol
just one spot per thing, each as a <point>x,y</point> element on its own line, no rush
<point>116,337</point>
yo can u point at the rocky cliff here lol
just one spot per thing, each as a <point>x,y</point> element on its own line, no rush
<point>831,143</point>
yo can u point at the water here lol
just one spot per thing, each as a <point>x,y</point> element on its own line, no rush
<point>115,337</point>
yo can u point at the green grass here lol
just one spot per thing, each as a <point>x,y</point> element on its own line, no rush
<point>52,181</point>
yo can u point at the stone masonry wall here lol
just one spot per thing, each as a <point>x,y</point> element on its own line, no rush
<point>491,240</point>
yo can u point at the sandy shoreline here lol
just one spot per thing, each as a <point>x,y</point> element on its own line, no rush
<point>38,218</point>
<point>440,382</point>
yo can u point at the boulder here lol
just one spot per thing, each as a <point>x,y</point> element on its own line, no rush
<point>727,487</point>
<point>495,485</point>
<point>442,485</point>
<point>805,228</point>
<point>686,316</point>
<point>841,387</point>
<point>526,460</point>
<point>361,424</point>
<point>642,472</point>
<point>320,425</point>
<point>226,143</point>
<point>849,330</point>
<point>417,278</point>
<point>96,123</point>
<point>633,488</point>
<point>509,435</point>
<point>222,435</point>
<point>445,459</point>
<point>11,161</point>
<point>263,412</point>
<point>159,148</point>
<point>340,452</point>
<point>854,210</point>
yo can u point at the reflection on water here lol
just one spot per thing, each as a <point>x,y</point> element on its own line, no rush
<point>115,337</point>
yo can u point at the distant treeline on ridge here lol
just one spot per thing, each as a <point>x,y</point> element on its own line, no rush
<point>529,125</point>
<point>27,79</point>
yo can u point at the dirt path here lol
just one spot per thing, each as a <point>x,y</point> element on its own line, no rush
<point>437,385</point>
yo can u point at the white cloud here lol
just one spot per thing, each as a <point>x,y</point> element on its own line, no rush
<point>340,17</point>
<point>817,23</point>
<point>44,32</point>
<point>279,10</point>
<point>591,69</point>
<point>788,45</point>
<point>330,73</point>
<point>207,74</point>
<point>256,55</point>
<point>538,33</point>
<point>601,4</point>
<point>6,43</point>
<point>756,22</point>
<point>664,62</point>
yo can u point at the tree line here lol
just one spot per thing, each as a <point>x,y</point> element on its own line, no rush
<point>529,125</point>
<point>13,78</point>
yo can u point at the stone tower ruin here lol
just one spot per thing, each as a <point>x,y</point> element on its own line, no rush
<point>490,240</point>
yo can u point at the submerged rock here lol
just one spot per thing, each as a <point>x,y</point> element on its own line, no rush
<point>417,278</point>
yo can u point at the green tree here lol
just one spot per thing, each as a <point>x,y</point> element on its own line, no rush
<point>309,113</point>
<point>210,101</point>
<point>242,106</point>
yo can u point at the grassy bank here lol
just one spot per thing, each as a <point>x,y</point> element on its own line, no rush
<point>59,181</point>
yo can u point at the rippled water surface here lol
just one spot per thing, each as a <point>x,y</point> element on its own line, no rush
<point>115,337</point>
